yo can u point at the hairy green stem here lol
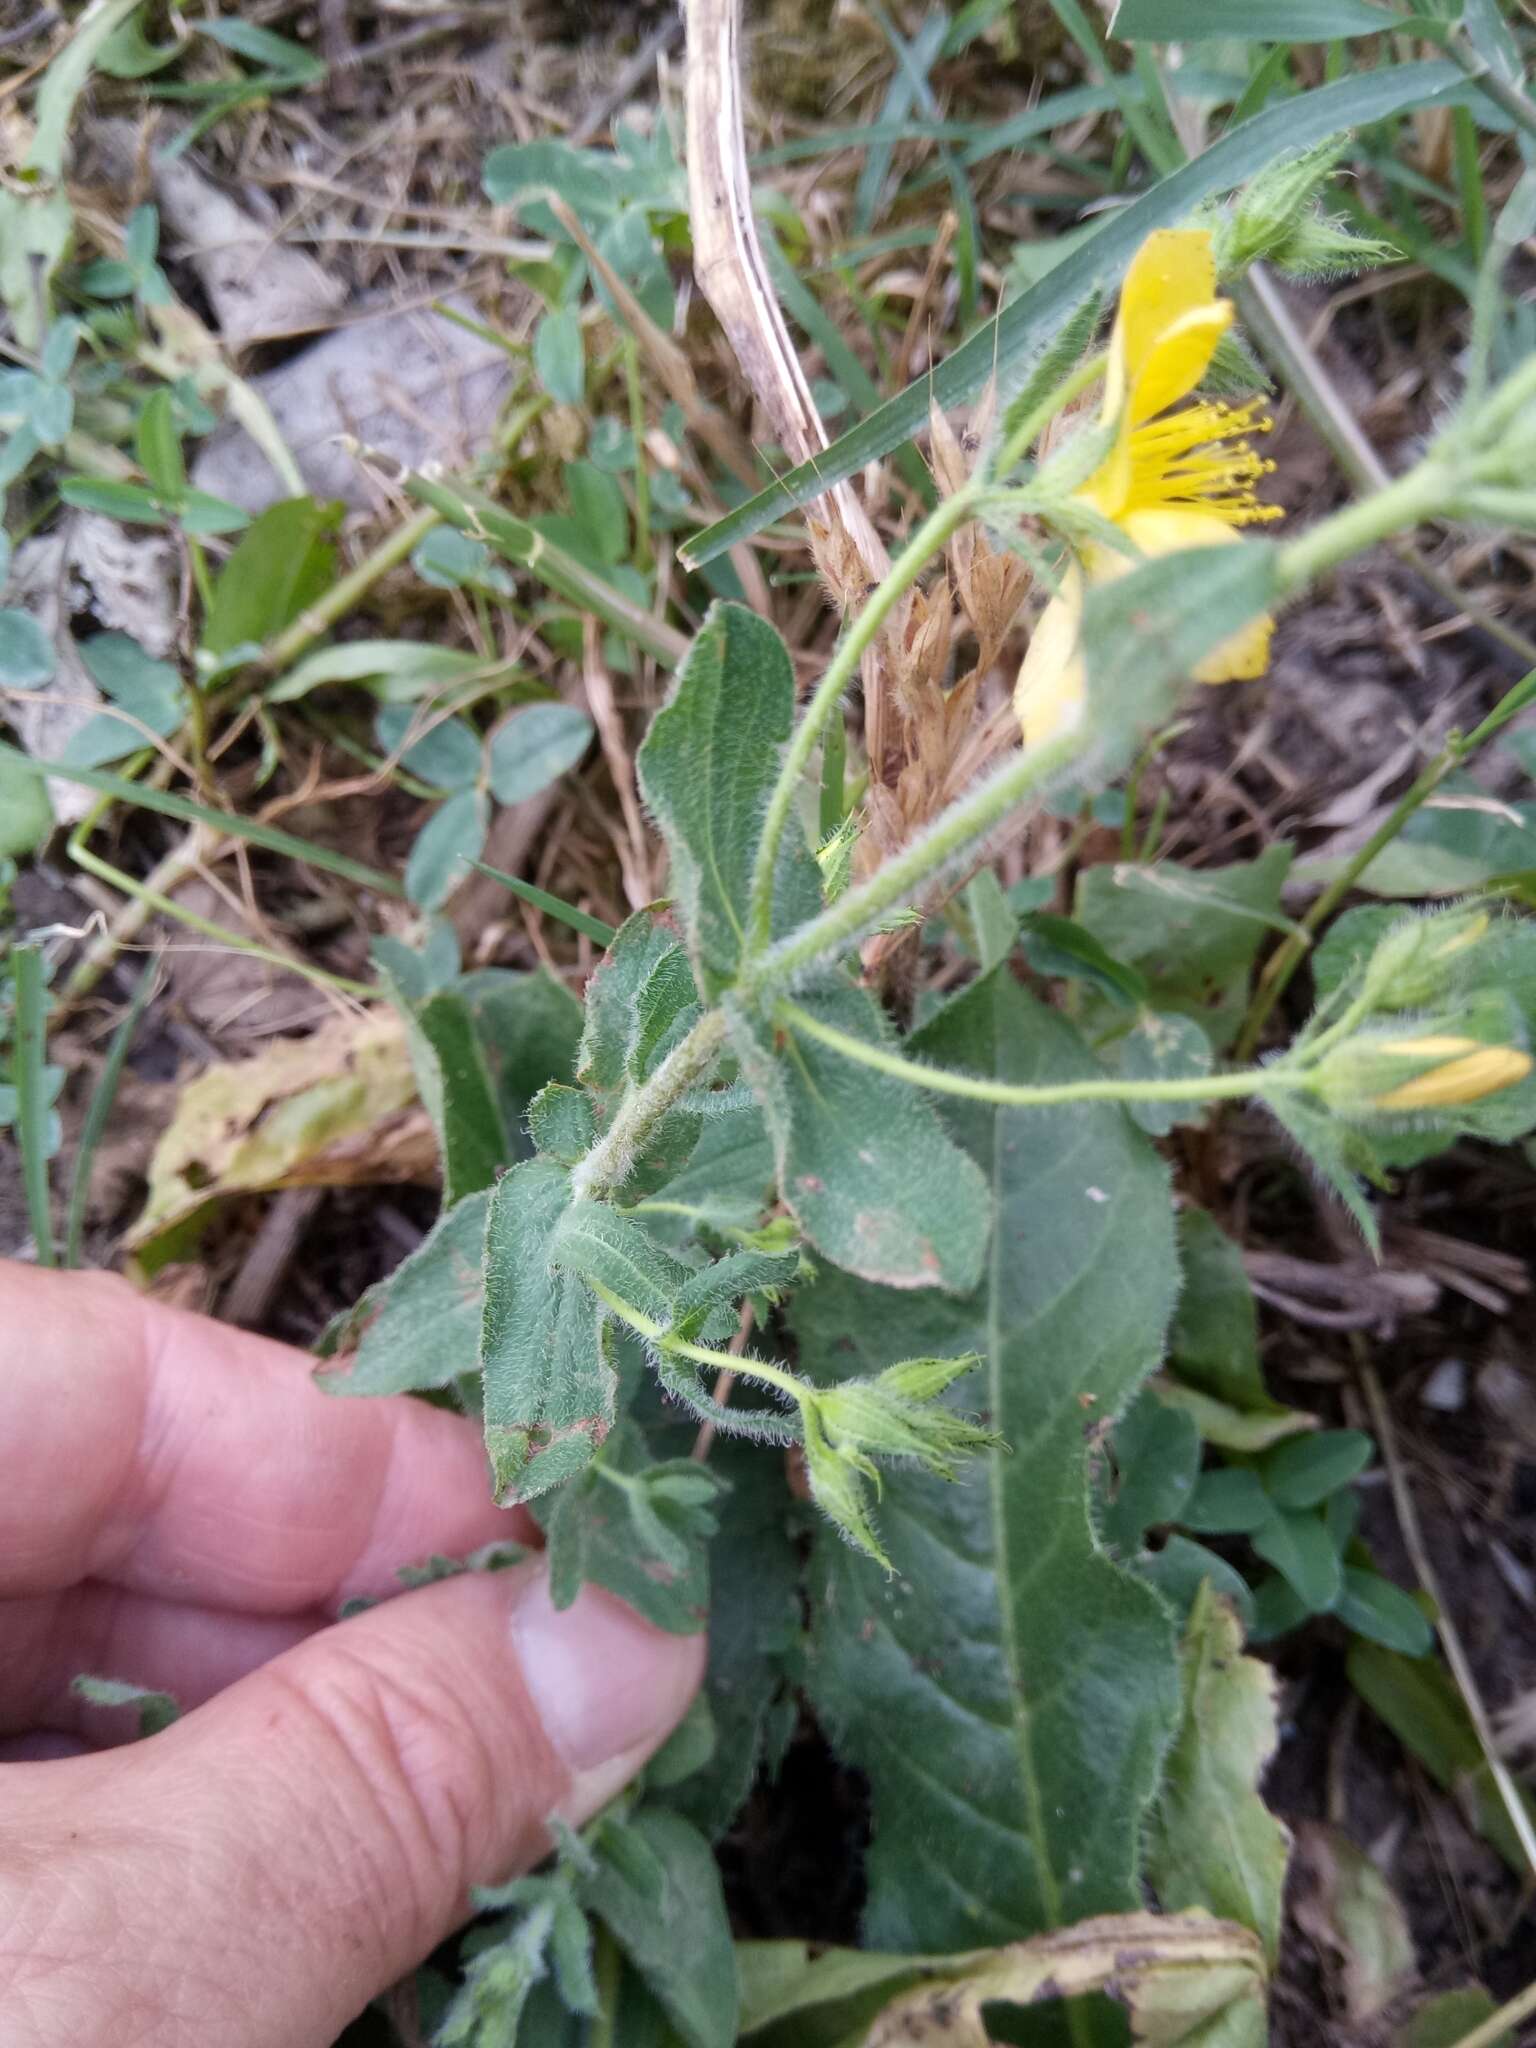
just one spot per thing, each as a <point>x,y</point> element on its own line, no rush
<point>945,518</point>
<point>900,878</point>
<point>1039,417</point>
<point>1195,1088</point>
<point>799,1390</point>
<point>1420,494</point>
<point>683,1068</point>
<point>1288,957</point>
<point>1509,99</point>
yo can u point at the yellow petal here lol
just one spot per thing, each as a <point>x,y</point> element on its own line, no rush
<point>1053,682</point>
<point>1485,1072</point>
<point>1168,300</point>
<point>1245,654</point>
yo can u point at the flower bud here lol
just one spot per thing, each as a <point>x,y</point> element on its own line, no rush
<point>1276,219</point>
<point>1467,1077</point>
<point>1421,959</point>
<point>887,1418</point>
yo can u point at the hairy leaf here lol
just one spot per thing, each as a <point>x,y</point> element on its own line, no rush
<point>1009,1692</point>
<point>863,1160</point>
<point>419,1328</point>
<point>706,769</point>
<point>677,1936</point>
<point>529,1026</point>
<point>549,1390</point>
<point>1214,1342</point>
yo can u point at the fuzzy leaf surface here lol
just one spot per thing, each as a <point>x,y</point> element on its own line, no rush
<point>676,1936</point>
<point>419,1328</point>
<point>549,1390</point>
<point>1010,1690</point>
<point>707,767</point>
<point>864,1161</point>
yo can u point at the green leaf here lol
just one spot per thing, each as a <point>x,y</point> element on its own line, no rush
<point>754,1628</point>
<point>1063,949</point>
<point>131,503</point>
<point>679,1940</point>
<point>1303,1472</point>
<point>1337,1154</point>
<point>278,568</point>
<point>448,754</point>
<point>1164,1048</point>
<point>26,815</point>
<point>1442,2021</point>
<point>1157,1461</point>
<point>159,445</point>
<point>559,358</point>
<point>148,691</point>
<point>456,1089</point>
<point>1249,21</point>
<point>199,513</point>
<point>404,669</point>
<point>1181,1568</point>
<point>26,652</point>
<point>1192,933</point>
<point>1212,1841</point>
<point>864,1162</point>
<point>1029,320</point>
<point>529,1026</point>
<point>706,769</point>
<point>1372,1606</point>
<point>1419,1701</point>
<point>289,62</point>
<point>534,746</point>
<point>420,1327</point>
<point>1009,1691</point>
<point>1301,1550</point>
<point>549,1389</point>
<point>612,1250</point>
<point>1229,1501</point>
<point>1214,1342</point>
<point>597,504</point>
<point>560,1122</point>
<point>638,1528</point>
<point>450,839</point>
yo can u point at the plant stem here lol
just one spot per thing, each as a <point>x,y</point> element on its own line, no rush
<point>1194,1088</point>
<point>946,518</point>
<point>1500,2025</point>
<point>348,591</point>
<point>1419,494</point>
<point>744,1368</point>
<point>1029,429</point>
<point>1287,958</point>
<point>683,1068</point>
<point>103,1095</point>
<point>949,836</point>
<point>1506,97</point>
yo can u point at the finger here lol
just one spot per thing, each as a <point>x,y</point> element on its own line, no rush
<point>174,1646</point>
<point>313,1832</point>
<point>178,1456</point>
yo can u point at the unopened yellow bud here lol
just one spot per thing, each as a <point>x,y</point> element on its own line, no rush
<point>1466,1078</point>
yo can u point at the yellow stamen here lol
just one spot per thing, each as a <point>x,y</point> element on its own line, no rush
<point>1484,1072</point>
<point>1199,457</point>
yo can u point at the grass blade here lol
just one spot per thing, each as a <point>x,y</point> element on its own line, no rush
<point>31,1056</point>
<point>248,829</point>
<point>1004,340</point>
<point>102,1098</point>
<point>540,899</point>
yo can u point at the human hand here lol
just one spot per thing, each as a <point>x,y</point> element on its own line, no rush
<point>182,1508</point>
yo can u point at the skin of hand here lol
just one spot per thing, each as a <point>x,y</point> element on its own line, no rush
<point>182,1508</point>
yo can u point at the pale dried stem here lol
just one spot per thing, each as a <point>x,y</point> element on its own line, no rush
<point>728,262</point>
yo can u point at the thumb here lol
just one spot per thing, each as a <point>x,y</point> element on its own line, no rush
<point>252,1876</point>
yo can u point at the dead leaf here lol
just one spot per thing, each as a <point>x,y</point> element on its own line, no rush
<point>336,1109</point>
<point>1183,1977</point>
<point>1351,1913</point>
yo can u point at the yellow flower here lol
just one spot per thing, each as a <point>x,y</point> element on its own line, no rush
<point>1467,1072</point>
<point>1186,481</point>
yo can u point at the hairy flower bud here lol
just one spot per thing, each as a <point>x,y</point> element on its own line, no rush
<point>1422,959</point>
<point>1466,1078</point>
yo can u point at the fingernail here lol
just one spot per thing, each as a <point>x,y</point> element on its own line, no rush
<point>607,1687</point>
